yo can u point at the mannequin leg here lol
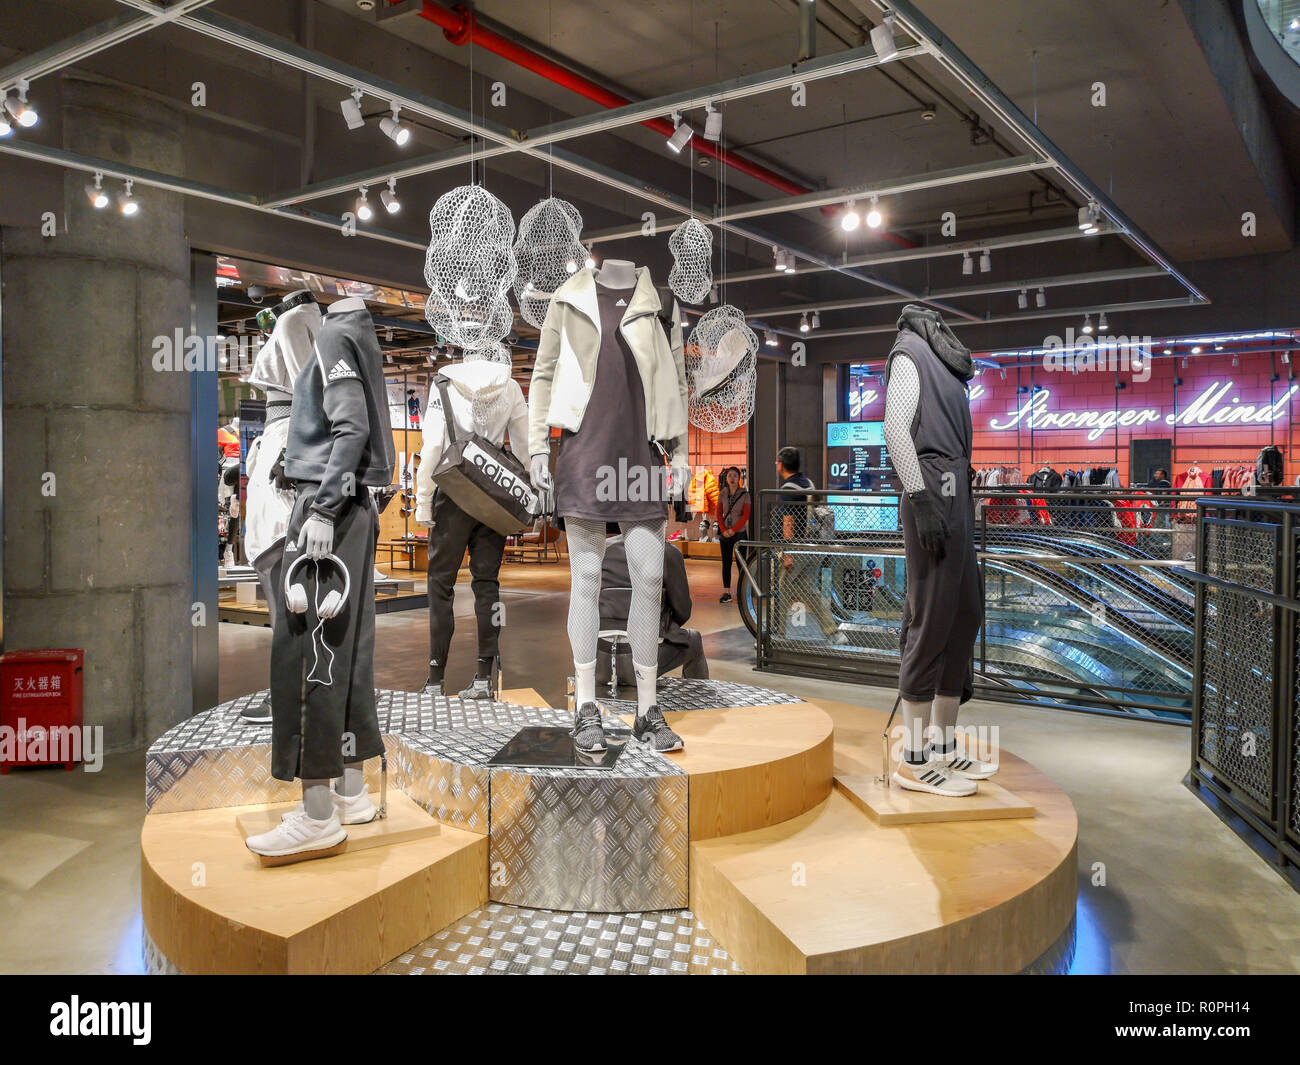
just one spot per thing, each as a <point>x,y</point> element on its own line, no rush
<point>916,721</point>
<point>317,800</point>
<point>353,779</point>
<point>586,553</point>
<point>645,566</point>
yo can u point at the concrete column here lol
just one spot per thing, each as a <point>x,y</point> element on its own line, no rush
<point>96,442</point>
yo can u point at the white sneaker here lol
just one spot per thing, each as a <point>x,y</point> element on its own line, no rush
<point>934,778</point>
<point>970,768</point>
<point>351,810</point>
<point>299,838</point>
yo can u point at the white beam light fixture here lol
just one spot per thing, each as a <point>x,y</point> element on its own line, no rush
<point>682,133</point>
<point>19,109</point>
<point>126,201</point>
<point>713,293</point>
<point>816,320</point>
<point>712,123</point>
<point>394,130</point>
<point>850,219</point>
<point>967,264</point>
<point>1022,301</point>
<point>986,261</point>
<point>874,218</point>
<point>803,323</point>
<point>1087,325</point>
<point>1088,218</point>
<point>95,192</point>
<point>389,197</point>
<point>351,108</point>
<point>769,338</point>
<point>364,211</point>
<point>590,261</point>
<point>1102,324</point>
<point>1040,300</point>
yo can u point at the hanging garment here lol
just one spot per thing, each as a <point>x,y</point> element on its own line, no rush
<point>1268,466</point>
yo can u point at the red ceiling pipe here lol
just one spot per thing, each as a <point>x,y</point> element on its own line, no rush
<point>460,27</point>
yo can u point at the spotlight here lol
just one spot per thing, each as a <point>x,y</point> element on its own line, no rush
<point>712,123</point>
<point>389,197</point>
<point>682,133</point>
<point>363,209</point>
<point>1196,350</point>
<point>394,130</point>
<point>1022,301</point>
<point>713,293</point>
<point>790,262</point>
<point>1102,324</point>
<point>351,108</point>
<point>571,267</point>
<point>1170,351</point>
<point>1294,24</point>
<point>967,264</point>
<point>850,220</point>
<point>1235,360</point>
<point>95,193</point>
<point>882,40</point>
<point>5,127</point>
<point>769,338</point>
<point>1087,325</point>
<point>256,293</point>
<point>126,201</point>
<point>778,259</point>
<point>1040,300</point>
<point>19,109</point>
<point>1088,217</point>
<point>816,320</point>
<point>590,261</point>
<point>803,323</point>
<point>986,261</point>
<point>874,218</point>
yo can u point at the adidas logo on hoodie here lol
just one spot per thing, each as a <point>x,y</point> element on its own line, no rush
<point>340,370</point>
<point>621,303</point>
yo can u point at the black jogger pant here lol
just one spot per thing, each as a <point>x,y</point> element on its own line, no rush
<point>323,674</point>
<point>945,598</point>
<point>453,531</point>
<point>728,552</point>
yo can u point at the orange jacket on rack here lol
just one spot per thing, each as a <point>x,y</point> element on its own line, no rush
<point>704,492</point>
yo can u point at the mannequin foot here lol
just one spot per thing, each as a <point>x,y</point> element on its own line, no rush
<point>431,687</point>
<point>299,838</point>
<point>588,733</point>
<point>933,777</point>
<point>481,688</point>
<point>725,597</point>
<point>653,730</point>
<point>958,763</point>
<point>258,713</point>
<point>349,809</point>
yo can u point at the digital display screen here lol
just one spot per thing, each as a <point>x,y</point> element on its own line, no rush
<point>857,460</point>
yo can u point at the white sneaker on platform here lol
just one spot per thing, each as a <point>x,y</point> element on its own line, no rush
<point>350,810</point>
<point>934,778</point>
<point>971,768</point>
<point>299,838</point>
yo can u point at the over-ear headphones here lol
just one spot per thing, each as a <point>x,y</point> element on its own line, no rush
<point>295,595</point>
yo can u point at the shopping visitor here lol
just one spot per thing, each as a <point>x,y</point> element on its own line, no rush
<point>733,518</point>
<point>798,591</point>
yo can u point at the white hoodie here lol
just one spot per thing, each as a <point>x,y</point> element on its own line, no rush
<point>485,381</point>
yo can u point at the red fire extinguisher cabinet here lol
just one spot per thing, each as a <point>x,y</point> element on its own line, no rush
<point>40,691</point>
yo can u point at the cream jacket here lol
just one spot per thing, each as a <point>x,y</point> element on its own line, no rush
<point>566,364</point>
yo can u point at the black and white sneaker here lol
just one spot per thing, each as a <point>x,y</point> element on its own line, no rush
<point>725,597</point>
<point>480,689</point>
<point>258,713</point>
<point>934,778</point>
<point>652,729</point>
<point>971,768</point>
<point>431,687</point>
<point>588,733</point>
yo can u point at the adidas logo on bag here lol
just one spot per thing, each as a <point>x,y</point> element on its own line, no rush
<point>341,370</point>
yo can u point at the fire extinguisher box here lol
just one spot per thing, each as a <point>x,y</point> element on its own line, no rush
<point>40,705</point>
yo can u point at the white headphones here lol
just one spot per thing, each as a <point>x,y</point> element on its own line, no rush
<point>295,595</point>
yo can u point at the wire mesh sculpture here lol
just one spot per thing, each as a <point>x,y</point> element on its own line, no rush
<point>692,273</point>
<point>469,268</point>
<point>721,370</point>
<point>548,251</point>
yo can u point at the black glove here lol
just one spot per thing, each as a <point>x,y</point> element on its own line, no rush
<point>931,525</point>
<point>282,482</point>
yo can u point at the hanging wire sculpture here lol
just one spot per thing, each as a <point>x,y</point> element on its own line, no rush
<point>469,268</point>
<point>692,272</point>
<point>721,371</point>
<point>549,251</point>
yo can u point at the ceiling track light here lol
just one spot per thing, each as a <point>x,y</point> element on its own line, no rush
<point>1040,300</point>
<point>986,261</point>
<point>95,192</point>
<point>713,293</point>
<point>850,219</point>
<point>874,218</point>
<point>571,267</point>
<point>19,110</point>
<point>681,135</point>
<point>816,320</point>
<point>590,261</point>
<point>364,211</point>
<point>1087,325</point>
<point>712,123</point>
<point>351,108</point>
<point>389,197</point>
<point>126,201</point>
<point>803,322</point>
<point>967,264</point>
<point>1102,324</point>
<point>1089,216</point>
<point>769,338</point>
<point>1022,301</point>
<point>394,130</point>
<point>1236,361</point>
<point>882,39</point>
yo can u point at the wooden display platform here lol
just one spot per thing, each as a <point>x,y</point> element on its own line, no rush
<point>899,806</point>
<point>211,908</point>
<point>405,822</point>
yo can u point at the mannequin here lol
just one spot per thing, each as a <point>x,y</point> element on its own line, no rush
<point>297,320</point>
<point>604,348</point>
<point>324,727</point>
<point>928,433</point>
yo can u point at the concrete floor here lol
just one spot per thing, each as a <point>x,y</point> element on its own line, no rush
<point>1181,892</point>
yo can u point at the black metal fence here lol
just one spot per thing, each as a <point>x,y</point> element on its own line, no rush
<point>1245,719</point>
<point>1089,601</point>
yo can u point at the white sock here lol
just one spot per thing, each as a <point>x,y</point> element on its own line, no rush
<point>943,723</point>
<point>584,684</point>
<point>647,686</point>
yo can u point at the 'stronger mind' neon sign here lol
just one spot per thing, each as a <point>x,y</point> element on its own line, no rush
<point>1215,406</point>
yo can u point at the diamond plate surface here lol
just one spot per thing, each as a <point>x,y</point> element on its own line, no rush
<point>156,963</point>
<point>497,939</point>
<point>680,693</point>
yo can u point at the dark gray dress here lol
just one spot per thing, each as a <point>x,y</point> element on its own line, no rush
<point>607,470</point>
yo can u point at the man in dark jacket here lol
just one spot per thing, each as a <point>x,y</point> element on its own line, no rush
<point>678,646</point>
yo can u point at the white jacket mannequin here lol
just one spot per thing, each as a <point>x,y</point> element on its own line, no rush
<point>477,379</point>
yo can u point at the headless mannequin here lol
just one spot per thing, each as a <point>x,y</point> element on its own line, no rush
<point>586,538</point>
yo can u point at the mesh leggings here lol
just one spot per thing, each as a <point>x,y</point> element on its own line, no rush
<point>644,541</point>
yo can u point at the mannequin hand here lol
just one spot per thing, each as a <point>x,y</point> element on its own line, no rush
<point>317,537</point>
<point>679,479</point>
<point>931,525</point>
<point>539,473</point>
